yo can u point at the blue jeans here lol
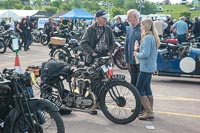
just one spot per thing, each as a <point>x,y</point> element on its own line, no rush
<point>144,84</point>
<point>181,38</point>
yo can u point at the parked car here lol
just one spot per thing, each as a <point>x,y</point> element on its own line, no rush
<point>178,61</point>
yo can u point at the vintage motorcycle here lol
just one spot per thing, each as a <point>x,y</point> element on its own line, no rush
<point>8,37</point>
<point>178,60</point>
<point>90,87</point>
<point>39,36</point>
<point>20,112</point>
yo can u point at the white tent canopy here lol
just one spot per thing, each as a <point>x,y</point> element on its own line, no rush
<point>16,14</point>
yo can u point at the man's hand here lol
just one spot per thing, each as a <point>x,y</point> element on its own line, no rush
<point>94,54</point>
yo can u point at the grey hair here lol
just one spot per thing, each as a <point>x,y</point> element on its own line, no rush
<point>134,12</point>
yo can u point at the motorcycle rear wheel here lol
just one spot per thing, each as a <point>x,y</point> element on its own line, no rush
<point>120,103</point>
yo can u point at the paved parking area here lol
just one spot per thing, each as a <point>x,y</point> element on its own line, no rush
<point>177,102</point>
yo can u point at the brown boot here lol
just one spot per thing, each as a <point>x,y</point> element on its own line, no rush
<point>151,101</point>
<point>148,114</point>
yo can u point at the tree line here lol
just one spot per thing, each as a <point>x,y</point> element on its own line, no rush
<point>116,7</point>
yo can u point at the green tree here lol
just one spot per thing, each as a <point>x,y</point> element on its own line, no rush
<point>130,4</point>
<point>28,8</point>
<point>149,8</point>
<point>53,10</point>
<point>66,7</point>
<point>6,4</point>
<point>91,6</point>
<point>119,3</point>
<point>117,11</point>
<point>76,3</point>
<point>18,6</point>
<point>57,4</point>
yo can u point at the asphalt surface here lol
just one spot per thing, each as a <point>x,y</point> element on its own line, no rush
<point>176,106</point>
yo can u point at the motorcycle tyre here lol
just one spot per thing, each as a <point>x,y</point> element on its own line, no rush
<point>56,51</point>
<point>50,109</point>
<point>4,47</point>
<point>137,99</point>
<point>44,41</point>
<point>117,62</point>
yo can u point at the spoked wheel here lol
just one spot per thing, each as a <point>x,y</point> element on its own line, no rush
<point>119,59</point>
<point>121,102</point>
<point>43,40</point>
<point>43,122</point>
<point>2,47</point>
<point>61,53</point>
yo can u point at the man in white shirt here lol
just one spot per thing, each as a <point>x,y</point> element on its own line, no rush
<point>11,24</point>
<point>160,25</point>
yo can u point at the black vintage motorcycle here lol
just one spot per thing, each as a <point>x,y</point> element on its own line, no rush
<point>19,113</point>
<point>89,87</point>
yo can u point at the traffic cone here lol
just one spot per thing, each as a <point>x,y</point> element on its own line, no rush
<point>17,64</point>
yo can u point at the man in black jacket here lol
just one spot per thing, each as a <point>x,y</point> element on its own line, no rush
<point>196,28</point>
<point>48,28</point>
<point>98,40</point>
<point>29,29</point>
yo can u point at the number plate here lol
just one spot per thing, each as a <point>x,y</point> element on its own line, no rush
<point>51,98</point>
<point>118,76</point>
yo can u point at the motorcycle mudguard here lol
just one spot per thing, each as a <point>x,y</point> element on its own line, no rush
<point>118,49</point>
<point>34,103</point>
<point>44,35</point>
<point>9,121</point>
<point>43,104</point>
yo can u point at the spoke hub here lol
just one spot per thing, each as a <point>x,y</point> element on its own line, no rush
<point>121,101</point>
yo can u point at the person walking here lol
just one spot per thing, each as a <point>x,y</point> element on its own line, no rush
<point>98,40</point>
<point>22,29</point>
<point>181,29</point>
<point>133,35</point>
<point>147,56</point>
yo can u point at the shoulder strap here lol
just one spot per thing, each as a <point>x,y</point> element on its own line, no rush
<point>100,36</point>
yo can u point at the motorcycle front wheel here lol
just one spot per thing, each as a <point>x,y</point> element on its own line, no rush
<point>120,102</point>
<point>43,40</point>
<point>2,47</point>
<point>43,122</point>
